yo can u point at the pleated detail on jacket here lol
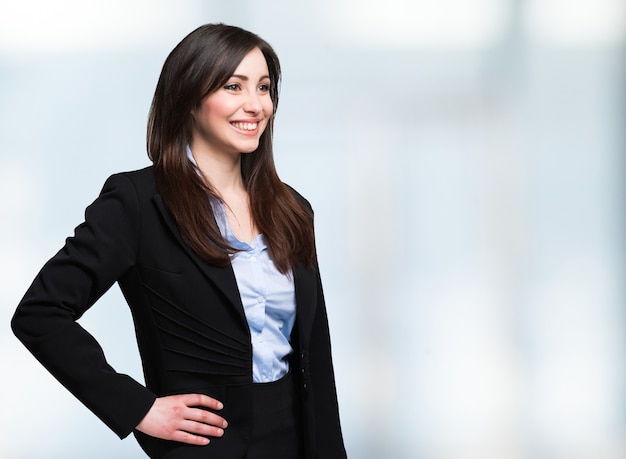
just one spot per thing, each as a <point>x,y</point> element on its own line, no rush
<point>192,345</point>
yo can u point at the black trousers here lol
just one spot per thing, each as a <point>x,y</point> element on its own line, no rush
<point>277,429</point>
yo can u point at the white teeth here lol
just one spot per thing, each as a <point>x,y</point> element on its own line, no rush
<point>246,126</point>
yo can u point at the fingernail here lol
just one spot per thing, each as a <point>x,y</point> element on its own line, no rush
<point>225,424</point>
<point>220,432</point>
<point>220,405</point>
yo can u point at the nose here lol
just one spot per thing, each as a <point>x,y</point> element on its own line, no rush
<point>253,102</point>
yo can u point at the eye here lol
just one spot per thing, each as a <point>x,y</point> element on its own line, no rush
<point>232,87</point>
<point>265,87</point>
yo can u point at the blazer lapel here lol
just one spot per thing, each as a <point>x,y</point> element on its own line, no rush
<point>223,277</point>
<point>305,281</point>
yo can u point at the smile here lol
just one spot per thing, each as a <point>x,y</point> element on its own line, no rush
<point>245,126</point>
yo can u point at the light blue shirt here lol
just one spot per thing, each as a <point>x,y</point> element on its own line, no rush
<point>268,298</point>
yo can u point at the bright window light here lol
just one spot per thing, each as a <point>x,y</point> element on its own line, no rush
<point>41,26</point>
<point>418,23</point>
<point>580,22</point>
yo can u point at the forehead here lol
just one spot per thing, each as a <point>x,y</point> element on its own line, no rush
<point>253,65</point>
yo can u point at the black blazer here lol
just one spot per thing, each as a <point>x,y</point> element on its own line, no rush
<point>189,320</point>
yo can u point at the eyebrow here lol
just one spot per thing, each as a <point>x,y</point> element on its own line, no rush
<point>245,78</point>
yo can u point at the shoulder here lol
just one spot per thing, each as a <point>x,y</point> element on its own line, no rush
<point>140,181</point>
<point>140,177</point>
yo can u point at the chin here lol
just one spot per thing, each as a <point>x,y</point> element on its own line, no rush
<point>249,149</point>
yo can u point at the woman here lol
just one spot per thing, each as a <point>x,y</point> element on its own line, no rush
<point>216,259</point>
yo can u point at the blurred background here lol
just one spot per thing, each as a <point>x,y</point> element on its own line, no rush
<point>466,161</point>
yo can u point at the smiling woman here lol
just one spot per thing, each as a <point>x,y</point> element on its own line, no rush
<point>216,259</point>
<point>228,122</point>
<point>232,119</point>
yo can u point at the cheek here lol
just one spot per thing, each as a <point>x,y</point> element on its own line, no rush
<point>268,107</point>
<point>216,107</point>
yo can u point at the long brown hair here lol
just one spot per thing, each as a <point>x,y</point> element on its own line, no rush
<point>198,66</point>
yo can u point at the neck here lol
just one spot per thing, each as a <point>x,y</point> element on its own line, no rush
<point>222,171</point>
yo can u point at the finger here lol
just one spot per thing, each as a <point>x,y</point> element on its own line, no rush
<point>198,428</point>
<point>202,400</point>
<point>189,438</point>
<point>206,417</point>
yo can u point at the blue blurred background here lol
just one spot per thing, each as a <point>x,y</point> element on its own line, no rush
<point>466,161</point>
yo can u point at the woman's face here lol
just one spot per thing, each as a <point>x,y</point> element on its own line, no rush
<point>232,119</point>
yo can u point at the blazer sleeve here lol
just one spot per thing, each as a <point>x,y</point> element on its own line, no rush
<point>328,438</point>
<point>102,249</point>
<point>329,442</point>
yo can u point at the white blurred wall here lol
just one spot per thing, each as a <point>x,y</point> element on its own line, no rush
<point>466,161</point>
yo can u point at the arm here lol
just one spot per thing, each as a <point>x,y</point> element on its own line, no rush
<point>329,440</point>
<point>102,249</point>
<point>328,437</point>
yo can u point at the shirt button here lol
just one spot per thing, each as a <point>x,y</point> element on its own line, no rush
<point>253,259</point>
<point>259,299</point>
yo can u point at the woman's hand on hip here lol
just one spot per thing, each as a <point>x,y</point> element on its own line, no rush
<point>181,418</point>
